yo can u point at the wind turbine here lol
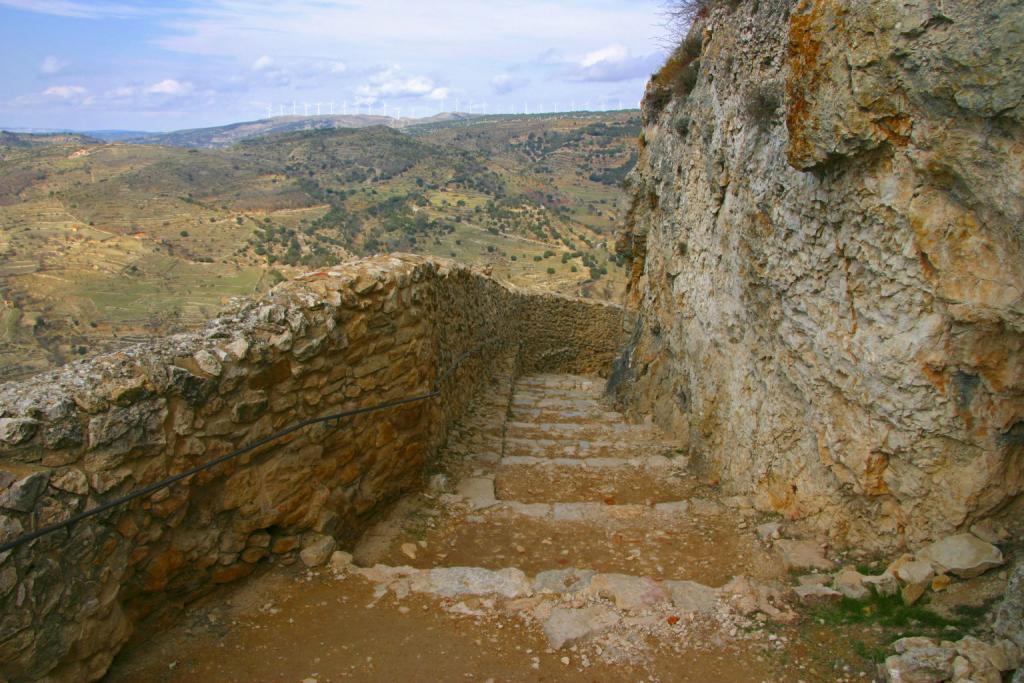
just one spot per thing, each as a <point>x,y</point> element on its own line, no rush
<point>318,109</point>
<point>332,108</point>
<point>293,108</point>
<point>280,110</point>
<point>344,107</point>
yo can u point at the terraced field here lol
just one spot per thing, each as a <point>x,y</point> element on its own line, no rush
<point>103,244</point>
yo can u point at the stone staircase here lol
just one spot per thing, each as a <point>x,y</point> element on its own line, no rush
<point>587,522</point>
<point>556,540</point>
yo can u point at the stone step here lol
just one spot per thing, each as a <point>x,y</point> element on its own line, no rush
<point>626,592</point>
<point>588,431</point>
<point>596,413</point>
<point>690,540</point>
<point>545,399</point>
<point>578,385</point>
<point>638,480</point>
<point>558,448</point>
<point>651,461</point>
<point>593,511</point>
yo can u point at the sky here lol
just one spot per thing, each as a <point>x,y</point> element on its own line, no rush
<point>159,65</point>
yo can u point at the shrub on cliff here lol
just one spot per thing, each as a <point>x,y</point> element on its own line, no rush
<point>677,77</point>
<point>687,10</point>
<point>762,102</point>
<point>682,13</point>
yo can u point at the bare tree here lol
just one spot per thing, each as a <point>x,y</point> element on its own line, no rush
<point>680,15</point>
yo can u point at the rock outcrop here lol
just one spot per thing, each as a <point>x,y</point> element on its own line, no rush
<point>376,330</point>
<point>828,260</point>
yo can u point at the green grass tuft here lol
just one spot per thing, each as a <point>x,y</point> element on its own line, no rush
<point>885,610</point>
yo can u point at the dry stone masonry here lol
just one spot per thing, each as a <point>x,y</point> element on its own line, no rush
<point>827,258</point>
<point>375,330</point>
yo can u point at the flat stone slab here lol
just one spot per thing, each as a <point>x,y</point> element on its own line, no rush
<point>452,581</point>
<point>566,626</point>
<point>563,581</point>
<point>965,555</point>
<point>692,597</point>
<point>479,491</point>
<point>803,555</point>
<point>629,593</point>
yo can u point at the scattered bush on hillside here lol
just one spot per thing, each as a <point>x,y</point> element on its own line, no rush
<point>551,271</point>
<point>682,125</point>
<point>762,101</point>
<point>655,100</point>
<point>616,174</point>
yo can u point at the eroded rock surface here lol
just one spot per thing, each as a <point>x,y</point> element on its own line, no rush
<point>827,258</point>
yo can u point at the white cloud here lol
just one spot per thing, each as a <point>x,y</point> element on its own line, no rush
<point>391,84</point>
<point>504,83</point>
<point>612,63</point>
<point>611,54</point>
<point>262,63</point>
<point>52,65</point>
<point>65,92</point>
<point>169,86</point>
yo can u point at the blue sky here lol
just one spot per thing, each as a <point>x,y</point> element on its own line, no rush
<point>162,65</point>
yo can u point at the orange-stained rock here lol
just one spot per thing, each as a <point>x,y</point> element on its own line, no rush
<point>231,573</point>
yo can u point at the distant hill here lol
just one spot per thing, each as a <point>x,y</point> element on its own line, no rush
<point>118,135</point>
<point>31,140</point>
<point>225,136</point>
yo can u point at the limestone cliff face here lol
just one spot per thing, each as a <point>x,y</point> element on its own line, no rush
<point>828,266</point>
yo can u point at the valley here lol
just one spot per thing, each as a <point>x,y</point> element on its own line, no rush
<point>105,244</point>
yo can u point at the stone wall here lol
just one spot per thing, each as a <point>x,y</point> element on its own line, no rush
<point>828,261</point>
<point>376,330</point>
